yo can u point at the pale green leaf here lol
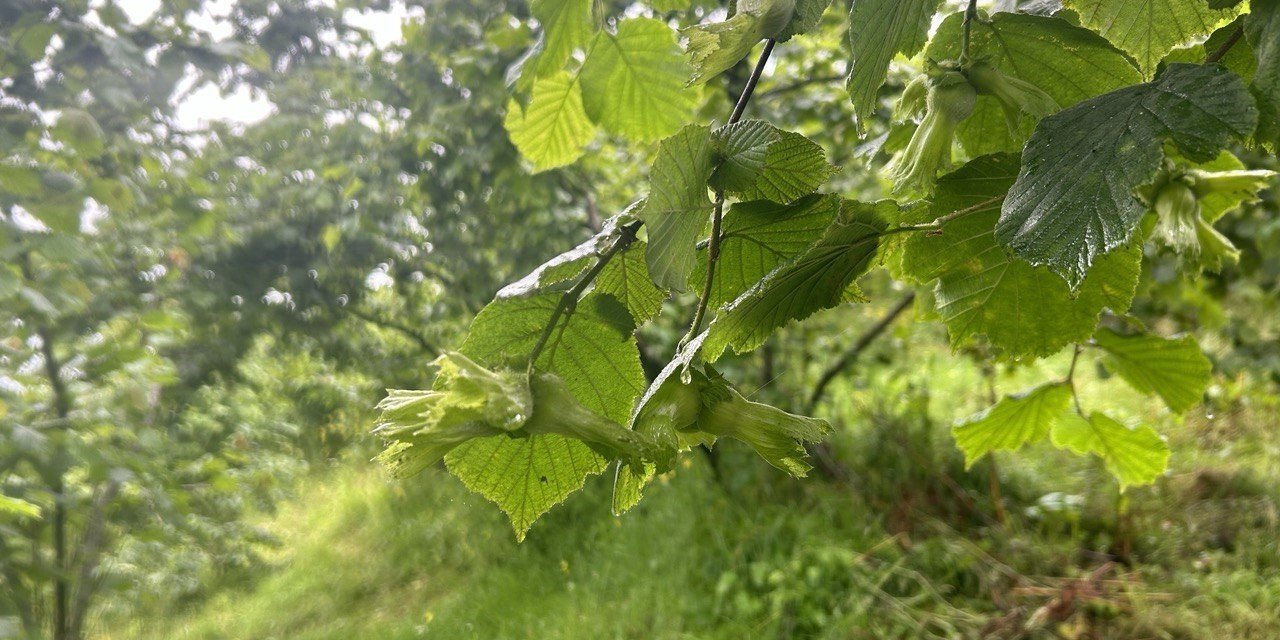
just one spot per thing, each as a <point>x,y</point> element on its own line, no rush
<point>716,47</point>
<point>17,508</point>
<point>1074,198</point>
<point>525,477</point>
<point>759,236</point>
<point>878,31</point>
<point>812,281</point>
<point>1067,62</point>
<point>633,83</point>
<point>626,278</point>
<point>566,26</point>
<point>677,210</point>
<point>554,129</point>
<point>1134,456</point>
<point>1174,369</point>
<point>596,357</point>
<point>1150,29</point>
<point>1013,422</point>
<point>981,289</point>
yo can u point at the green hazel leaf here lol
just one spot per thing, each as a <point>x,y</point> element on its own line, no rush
<point>759,236</point>
<point>17,509</point>
<point>1013,422</point>
<point>1173,369</point>
<point>805,18</point>
<point>812,281</point>
<point>566,26</point>
<point>525,477</point>
<point>677,209</point>
<point>566,266</point>
<point>716,47</point>
<point>626,278</point>
<point>1262,29</point>
<point>1066,61</point>
<point>633,82</point>
<point>595,355</point>
<point>554,129</point>
<point>879,30</point>
<point>1134,456</point>
<point>981,289</point>
<point>1150,29</point>
<point>762,162</point>
<point>1074,199</point>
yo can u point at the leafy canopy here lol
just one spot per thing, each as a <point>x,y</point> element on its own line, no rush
<point>1063,138</point>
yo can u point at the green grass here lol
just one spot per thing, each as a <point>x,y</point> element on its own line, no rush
<point>910,551</point>
<point>910,548</point>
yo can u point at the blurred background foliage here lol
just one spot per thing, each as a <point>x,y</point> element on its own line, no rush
<point>195,321</point>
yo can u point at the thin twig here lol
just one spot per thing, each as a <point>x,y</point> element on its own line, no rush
<point>750,88</point>
<point>1226,46</point>
<point>854,352</point>
<point>404,329</point>
<point>717,215</point>
<point>627,235</point>
<point>969,15</point>
<point>941,221</point>
<point>1070,380</point>
<point>799,84</point>
<point>713,256</point>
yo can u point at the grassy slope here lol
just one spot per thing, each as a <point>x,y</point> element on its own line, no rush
<point>367,559</point>
<point>911,550</point>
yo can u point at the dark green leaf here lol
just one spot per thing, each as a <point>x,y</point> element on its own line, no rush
<point>759,236</point>
<point>816,279</point>
<point>761,162</point>
<point>981,289</point>
<point>1068,62</point>
<point>1074,199</point>
<point>1262,26</point>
